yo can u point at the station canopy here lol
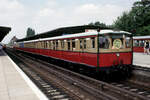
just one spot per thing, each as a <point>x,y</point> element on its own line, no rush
<point>62,31</point>
<point>3,32</point>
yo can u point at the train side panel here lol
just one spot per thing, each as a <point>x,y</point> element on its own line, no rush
<point>89,58</point>
<point>138,49</point>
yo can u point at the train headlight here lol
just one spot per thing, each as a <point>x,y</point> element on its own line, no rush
<point>117,54</point>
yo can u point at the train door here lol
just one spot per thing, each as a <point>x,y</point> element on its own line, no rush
<point>83,49</point>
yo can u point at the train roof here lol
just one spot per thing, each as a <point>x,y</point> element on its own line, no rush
<point>61,31</point>
<point>141,37</point>
<point>88,33</point>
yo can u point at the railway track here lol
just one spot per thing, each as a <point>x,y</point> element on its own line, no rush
<point>133,87</point>
<point>136,67</point>
<point>141,77</point>
<point>80,87</point>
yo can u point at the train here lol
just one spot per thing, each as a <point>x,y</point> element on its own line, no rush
<point>104,51</point>
<point>139,42</point>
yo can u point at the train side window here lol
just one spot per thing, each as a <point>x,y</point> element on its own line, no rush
<point>93,42</point>
<point>53,45</point>
<point>49,44</point>
<point>31,44</point>
<point>56,44</point>
<point>84,44</point>
<point>141,43</point>
<point>35,44</point>
<point>68,42</point>
<point>73,44</point>
<point>62,43</point>
<point>136,43</point>
<point>41,44</point>
<point>38,45</point>
<point>44,44</point>
<point>81,45</point>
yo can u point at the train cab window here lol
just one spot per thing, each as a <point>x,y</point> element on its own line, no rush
<point>117,43</point>
<point>128,42</point>
<point>93,42</point>
<point>104,42</point>
<point>73,44</point>
<point>68,43</point>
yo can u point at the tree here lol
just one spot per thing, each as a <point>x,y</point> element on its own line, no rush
<point>137,20</point>
<point>97,23</point>
<point>30,32</point>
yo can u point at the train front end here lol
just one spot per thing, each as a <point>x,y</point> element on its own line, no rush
<point>115,52</point>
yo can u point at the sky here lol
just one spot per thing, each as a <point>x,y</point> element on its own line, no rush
<point>46,15</point>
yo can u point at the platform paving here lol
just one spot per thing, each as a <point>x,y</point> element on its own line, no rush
<point>141,59</point>
<point>13,86</point>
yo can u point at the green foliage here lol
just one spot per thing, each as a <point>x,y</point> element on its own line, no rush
<point>137,20</point>
<point>30,32</point>
<point>144,30</point>
<point>97,23</point>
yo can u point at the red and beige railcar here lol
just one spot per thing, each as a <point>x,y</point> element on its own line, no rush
<point>139,42</point>
<point>103,51</point>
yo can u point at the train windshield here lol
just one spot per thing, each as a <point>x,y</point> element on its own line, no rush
<point>104,42</point>
<point>128,42</point>
<point>115,41</point>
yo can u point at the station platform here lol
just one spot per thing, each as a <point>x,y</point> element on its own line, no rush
<point>14,84</point>
<point>141,59</point>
